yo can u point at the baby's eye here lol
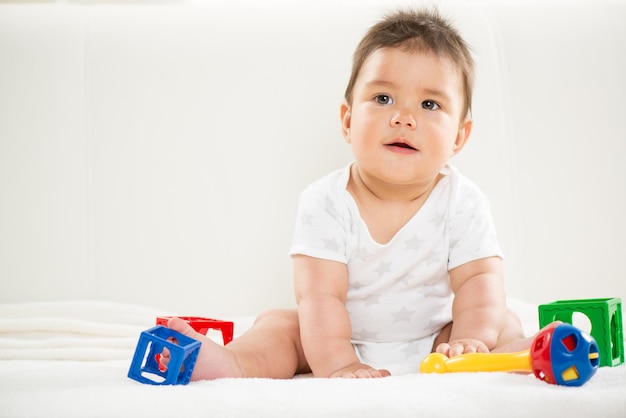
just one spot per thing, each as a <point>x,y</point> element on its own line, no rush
<point>383,99</point>
<point>430,105</point>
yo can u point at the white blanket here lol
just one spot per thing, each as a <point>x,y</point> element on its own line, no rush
<point>71,360</point>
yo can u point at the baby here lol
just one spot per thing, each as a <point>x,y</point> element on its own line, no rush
<point>395,256</point>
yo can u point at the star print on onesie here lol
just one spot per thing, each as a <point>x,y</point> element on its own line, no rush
<point>399,294</point>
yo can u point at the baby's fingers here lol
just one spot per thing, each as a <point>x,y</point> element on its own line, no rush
<point>370,373</point>
<point>362,373</point>
<point>458,347</point>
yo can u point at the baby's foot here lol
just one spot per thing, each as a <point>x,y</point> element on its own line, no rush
<point>214,360</point>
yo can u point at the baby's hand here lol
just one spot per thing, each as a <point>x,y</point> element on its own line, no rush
<point>360,371</point>
<point>464,346</point>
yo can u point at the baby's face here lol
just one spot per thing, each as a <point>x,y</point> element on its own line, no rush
<point>405,118</point>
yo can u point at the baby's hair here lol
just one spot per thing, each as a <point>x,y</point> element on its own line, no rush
<point>412,31</point>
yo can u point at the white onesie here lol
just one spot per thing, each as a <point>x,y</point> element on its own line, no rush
<point>399,295</point>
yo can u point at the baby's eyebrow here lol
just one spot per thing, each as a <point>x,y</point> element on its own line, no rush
<point>377,83</point>
<point>438,93</point>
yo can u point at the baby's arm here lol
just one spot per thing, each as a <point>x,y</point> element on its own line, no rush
<point>479,309</point>
<point>321,288</point>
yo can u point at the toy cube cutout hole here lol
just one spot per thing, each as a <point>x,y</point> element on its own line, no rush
<point>582,322</point>
<point>164,357</point>
<point>157,379</point>
<point>616,332</point>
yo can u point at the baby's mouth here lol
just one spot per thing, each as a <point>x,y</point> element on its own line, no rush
<point>402,145</point>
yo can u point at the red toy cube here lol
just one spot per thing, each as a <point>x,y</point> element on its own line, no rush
<point>202,325</point>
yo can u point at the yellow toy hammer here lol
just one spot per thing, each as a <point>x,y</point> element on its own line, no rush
<point>560,354</point>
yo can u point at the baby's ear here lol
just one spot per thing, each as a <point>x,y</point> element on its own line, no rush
<point>344,114</point>
<point>462,136</point>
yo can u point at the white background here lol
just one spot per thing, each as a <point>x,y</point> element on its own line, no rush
<point>152,153</point>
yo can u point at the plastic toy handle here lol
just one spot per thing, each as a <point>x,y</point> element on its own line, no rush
<point>477,362</point>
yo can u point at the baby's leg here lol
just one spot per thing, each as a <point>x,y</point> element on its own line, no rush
<point>511,338</point>
<point>271,348</point>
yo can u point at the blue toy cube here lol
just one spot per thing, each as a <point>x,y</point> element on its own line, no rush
<point>145,367</point>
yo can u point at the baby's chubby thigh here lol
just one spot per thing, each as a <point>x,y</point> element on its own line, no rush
<point>399,357</point>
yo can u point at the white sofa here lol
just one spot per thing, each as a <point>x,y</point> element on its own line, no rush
<point>153,152</point>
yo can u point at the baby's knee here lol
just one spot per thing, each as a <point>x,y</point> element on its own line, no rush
<point>514,325</point>
<point>287,318</point>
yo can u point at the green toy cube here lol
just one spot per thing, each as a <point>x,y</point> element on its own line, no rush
<point>606,323</point>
